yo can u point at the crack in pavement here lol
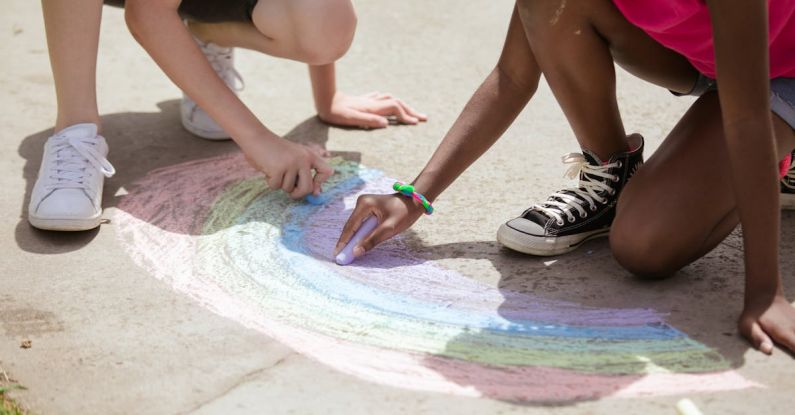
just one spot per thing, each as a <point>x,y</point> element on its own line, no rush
<point>242,380</point>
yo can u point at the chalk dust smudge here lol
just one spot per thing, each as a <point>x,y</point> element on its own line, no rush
<point>213,231</point>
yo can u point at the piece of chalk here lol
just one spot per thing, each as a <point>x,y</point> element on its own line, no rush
<point>687,407</point>
<point>315,200</point>
<point>345,256</point>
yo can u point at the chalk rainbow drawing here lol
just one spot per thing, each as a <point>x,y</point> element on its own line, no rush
<point>213,231</point>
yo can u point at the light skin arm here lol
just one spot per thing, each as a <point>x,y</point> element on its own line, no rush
<point>490,111</point>
<point>740,29</point>
<point>319,32</point>
<point>159,29</point>
<point>364,111</point>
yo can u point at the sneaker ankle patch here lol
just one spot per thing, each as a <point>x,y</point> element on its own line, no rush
<point>785,165</point>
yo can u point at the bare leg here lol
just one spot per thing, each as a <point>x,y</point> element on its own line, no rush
<point>316,32</point>
<point>67,195</point>
<point>73,38</point>
<point>312,31</point>
<point>575,42</point>
<point>692,205</point>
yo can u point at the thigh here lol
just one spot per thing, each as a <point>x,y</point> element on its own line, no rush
<point>681,204</point>
<point>314,19</point>
<point>312,31</point>
<point>639,54</point>
<point>631,47</point>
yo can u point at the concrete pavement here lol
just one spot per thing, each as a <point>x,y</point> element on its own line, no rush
<point>108,337</point>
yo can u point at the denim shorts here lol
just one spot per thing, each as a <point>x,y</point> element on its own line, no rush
<point>782,103</point>
<point>782,95</point>
<point>782,99</point>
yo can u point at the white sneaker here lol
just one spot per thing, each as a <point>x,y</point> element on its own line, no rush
<point>67,195</point>
<point>195,119</point>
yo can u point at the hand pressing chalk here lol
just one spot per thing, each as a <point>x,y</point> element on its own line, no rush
<point>395,214</point>
<point>345,257</point>
<point>315,200</point>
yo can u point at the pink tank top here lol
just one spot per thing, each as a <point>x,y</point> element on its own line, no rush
<point>685,26</point>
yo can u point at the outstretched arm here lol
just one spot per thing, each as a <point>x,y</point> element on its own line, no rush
<point>490,111</point>
<point>740,29</point>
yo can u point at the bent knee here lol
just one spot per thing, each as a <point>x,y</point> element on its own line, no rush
<point>537,16</point>
<point>138,16</point>
<point>643,251</point>
<point>320,32</point>
<point>330,36</point>
<point>549,18</point>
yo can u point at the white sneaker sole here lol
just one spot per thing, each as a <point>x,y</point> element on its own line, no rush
<point>65,225</point>
<point>207,135</point>
<point>787,201</point>
<point>548,246</point>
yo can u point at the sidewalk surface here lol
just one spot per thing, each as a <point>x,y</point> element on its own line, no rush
<point>128,318</point>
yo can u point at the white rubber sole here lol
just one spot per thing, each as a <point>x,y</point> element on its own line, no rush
<point>549,246</point>
<point>787,201</point>
<point>207,135</point>
<point>65,225</point>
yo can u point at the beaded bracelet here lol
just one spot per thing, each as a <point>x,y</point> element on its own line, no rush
<point>408,190</point>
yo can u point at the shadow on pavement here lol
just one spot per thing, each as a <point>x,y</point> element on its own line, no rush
<point>698,301</point>
<point>139,143</point>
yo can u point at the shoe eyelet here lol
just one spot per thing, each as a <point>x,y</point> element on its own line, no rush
<point>616,179</point>
<point>560,222</point>
<point>612,192</point>
<point>571,219</point>
<point>620,164</point>
<point>583,215</point>
<point>593,208</point>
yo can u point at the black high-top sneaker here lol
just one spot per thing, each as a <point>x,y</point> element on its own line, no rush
<point>572,216</point>
<point>787,197</point>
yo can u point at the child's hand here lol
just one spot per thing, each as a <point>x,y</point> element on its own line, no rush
<point>769,322</point>
<point>288,166</point>
<point>368,111</point>
<point>395,214</point>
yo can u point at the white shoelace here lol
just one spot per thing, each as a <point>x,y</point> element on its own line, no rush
<point>221,61</point>
<point>73,162</point>
<point>789,179</point>
<point>568,200</point>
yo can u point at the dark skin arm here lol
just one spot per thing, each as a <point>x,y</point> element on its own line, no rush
<point>740,30</point>
<point>490,111</point>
